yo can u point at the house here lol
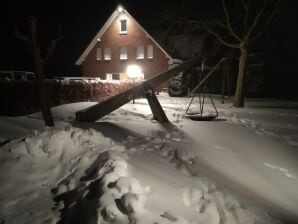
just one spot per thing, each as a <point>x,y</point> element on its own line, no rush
<point>122,49</point>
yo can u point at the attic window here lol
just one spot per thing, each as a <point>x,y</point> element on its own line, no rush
<point>123,26</point>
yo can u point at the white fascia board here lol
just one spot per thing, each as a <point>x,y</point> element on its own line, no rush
<point>114,15</point>
<point>97,36</point>
<point>148,35</point>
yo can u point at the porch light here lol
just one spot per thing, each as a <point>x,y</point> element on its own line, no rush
<point>134,72</point>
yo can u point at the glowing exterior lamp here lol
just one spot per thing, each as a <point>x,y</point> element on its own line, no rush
<point>134,72</point>
<point>120,9</point>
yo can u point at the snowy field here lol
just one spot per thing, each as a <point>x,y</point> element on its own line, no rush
<point>126,168</point>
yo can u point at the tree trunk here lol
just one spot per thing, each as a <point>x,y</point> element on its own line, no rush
<point>223,83</point>
<point>239,94</point>
<point>228,77</point>
<point>40,81</point>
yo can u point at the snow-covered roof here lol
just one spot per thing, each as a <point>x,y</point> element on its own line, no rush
<point>103,29</point>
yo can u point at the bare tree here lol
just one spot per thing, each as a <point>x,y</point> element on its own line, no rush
<point>39,61</point>
<point>253,23</point>
<point>235,25</point>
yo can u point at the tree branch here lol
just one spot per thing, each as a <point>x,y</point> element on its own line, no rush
<point>255,22</point>
<point>229,26</point>
<point>245,6</point>
<point>220,39</point>
<point>20,36</point>
<point>53,46</point>
<point>221,24</point>
<point>268,20</point>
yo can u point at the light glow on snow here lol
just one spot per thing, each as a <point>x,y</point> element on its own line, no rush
<point>127,168</point>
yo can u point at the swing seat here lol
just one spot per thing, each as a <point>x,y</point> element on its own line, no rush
<point>200,117</point>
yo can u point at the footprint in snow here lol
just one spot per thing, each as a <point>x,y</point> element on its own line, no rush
<point>192,196</point>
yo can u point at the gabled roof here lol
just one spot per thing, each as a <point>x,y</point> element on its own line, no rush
<point>106,26</point>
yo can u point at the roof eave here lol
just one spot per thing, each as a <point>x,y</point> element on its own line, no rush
<point>105,27</point>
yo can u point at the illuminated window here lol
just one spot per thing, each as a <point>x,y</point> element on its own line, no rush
<point>150,51</point>
<point>112,76</point>
<point>123,53</point>
<point>98,54</point>
<point>108,53</point>
<point>140,52</point>
<point>123,26</point>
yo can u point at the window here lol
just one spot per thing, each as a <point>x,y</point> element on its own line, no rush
<point>6,76</point>
<point>108,53</point>
<point>123,53</point>
<point>150,51</point>
<point>98,54</point>
<point>140,52</point>
<point>123,26</point>
<point>18,76</point>
<point>114,76</point>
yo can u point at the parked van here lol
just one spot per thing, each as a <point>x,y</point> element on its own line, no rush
<point>76,78</point>
<point>16,75</point>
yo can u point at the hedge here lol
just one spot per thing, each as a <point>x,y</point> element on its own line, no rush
<point>20,97</point>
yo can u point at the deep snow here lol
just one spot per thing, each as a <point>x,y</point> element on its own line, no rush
<point>126,168</point>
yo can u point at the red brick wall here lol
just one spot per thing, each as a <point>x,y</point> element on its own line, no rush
<point>134,37</point>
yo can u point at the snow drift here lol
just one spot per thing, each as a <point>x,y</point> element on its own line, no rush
<point>70,175</point>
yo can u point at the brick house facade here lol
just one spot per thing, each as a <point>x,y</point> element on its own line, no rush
<point>120,43</point>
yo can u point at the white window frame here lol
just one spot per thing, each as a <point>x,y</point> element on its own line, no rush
<point>109,76</point>
<point>150,54</point>
<point>123,53</point>
<point>108,54</point>
<point>120,26</point>
<point>98,54</point>
<point>140,52</point>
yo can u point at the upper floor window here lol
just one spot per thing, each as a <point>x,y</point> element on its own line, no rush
<point>108,53</point>
<point>98,54</point>
<point>150,51</point>
<point>123,26</point>
<point>140,52</point>
<point>123,53</point>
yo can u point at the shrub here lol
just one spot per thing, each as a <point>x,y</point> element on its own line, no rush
<point>19,97</point>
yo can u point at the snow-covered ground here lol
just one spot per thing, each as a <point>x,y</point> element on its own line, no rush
<point>127,168</point>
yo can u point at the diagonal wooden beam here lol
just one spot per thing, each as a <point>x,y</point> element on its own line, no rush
<point>206,77</point>
<point>103,108</point>
<point>156,108</point>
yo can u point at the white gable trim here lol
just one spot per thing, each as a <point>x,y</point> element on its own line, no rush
<point>114,15</point>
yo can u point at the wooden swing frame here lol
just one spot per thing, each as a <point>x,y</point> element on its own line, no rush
<point>199,116</point>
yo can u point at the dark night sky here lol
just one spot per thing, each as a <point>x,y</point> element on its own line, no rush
<point>80,21</point>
